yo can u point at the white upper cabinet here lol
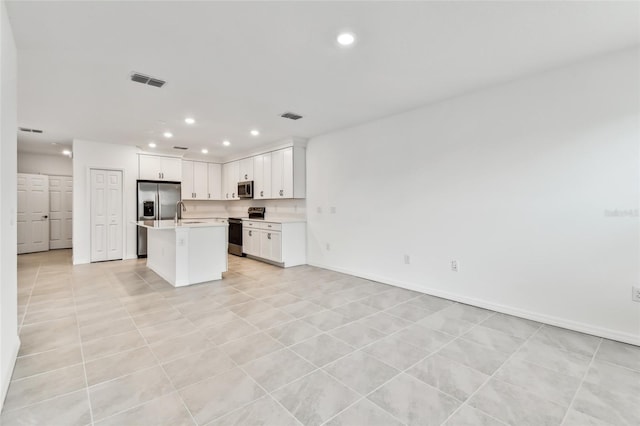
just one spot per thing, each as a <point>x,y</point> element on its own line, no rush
<point>171,169</point>
<point>246,169</point>
<point>187,180</point>
<point>215,181</point>
<point>200,180</point>
<point>288,173</point>
<point>262,176</point>
<point>230,178</point>
<point>276,175</point>
<point>155,167</point>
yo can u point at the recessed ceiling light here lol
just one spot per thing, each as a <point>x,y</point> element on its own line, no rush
<point>152,145</point>
<point>189,120</point>
<point>167,134</point>
<point>226,143</point>
<point>205,151</point>
<point>66,152</point>
<point>346,39</point>
<point>254,132</point>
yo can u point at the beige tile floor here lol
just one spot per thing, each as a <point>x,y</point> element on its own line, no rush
<point>114,344</point>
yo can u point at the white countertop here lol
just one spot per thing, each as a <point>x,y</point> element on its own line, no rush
<point>276,220</point>
<point>185,223</point>
<point>268,219</point>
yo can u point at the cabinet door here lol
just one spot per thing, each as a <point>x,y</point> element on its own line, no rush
<point>225,182</point>
<point>247,244</point>
<point>271,245</point>
<point>187,180</point>
<point>214,186</point>
<point>287,173</point>
<point>246,170</point>
<point>251,242</point>
<point>230,180</point>
<point>276,245</point>
<point>262,176</point>
<point>150,167</point>
<point>171,169</point>
<point>200,180</point>
<point>234,173</point>
<point>277,174</point>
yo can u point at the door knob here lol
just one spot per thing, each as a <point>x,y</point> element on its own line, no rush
<point>45,217</point>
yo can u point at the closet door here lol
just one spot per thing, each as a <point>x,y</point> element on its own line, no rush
<point>60,211</point>
<point>114,215</point>
<point>33,213</point>
<point>106,215</point>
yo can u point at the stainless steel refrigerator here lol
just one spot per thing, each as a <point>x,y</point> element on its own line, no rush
<point>156,201</point>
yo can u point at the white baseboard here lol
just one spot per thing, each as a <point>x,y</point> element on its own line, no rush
<point>8,370</point>
<point>505,309</point>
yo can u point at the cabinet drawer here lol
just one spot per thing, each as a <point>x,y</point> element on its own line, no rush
<point>270,226</point>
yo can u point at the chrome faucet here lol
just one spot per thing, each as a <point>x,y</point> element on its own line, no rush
<point>179,211</point>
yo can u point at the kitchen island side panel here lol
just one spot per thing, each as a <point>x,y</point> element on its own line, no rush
<point>161,253</point>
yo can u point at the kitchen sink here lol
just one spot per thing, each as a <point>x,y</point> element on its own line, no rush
<point>190,222</point>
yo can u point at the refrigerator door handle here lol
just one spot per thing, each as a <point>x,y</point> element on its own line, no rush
<point>158,211</point>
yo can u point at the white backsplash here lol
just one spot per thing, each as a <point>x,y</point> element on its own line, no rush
<point>281,209</point>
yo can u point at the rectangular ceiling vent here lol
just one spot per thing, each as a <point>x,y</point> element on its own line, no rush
<point>145,79</point>
<point>184,148</point>
<point>291,116</point>
<point>25,129</point>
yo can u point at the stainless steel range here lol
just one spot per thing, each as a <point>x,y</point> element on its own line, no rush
<point>235,229</point>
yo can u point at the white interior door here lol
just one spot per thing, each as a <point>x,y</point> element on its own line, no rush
<point>60,212</point>
<point>114,215</point>
<point>106,215</point>
<point>33,213</point>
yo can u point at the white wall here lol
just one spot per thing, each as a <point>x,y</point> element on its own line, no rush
<point>44,164</point>
<point>513,182</point>
<point>9,341</point>
<point>87,155</point>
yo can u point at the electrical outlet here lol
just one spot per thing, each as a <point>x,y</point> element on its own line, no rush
<point>333,210</point>
<point>328,246</point>
<point>319,210</point>
<point>407,259</point>
<point>454,265</point>
<point>635,294</point>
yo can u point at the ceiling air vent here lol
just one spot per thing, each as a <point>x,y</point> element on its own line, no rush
<point>184,148</point>
<point>25,129</point>
<point>291,116</point>
<point>145,79</point>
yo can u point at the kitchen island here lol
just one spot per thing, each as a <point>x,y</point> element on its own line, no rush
<point>186,252</point>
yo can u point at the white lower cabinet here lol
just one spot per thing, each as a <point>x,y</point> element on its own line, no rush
<point>271,245</point>
<point>281,243</point>
<point>250,241</point>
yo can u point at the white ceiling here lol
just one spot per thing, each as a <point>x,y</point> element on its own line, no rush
<point>234,66</point>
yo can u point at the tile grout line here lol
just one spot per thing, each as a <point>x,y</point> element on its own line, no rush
<point>26,306</point>
<point>284,290</point>
<point>404,371</point>
<point>302,357</point>
<point>491,376</point>
<point>584,377</point>
<point>107,273</point>
<point>360,349</point>
<point>148,346</point>
<point>84,364</point>
<point>356,349</point>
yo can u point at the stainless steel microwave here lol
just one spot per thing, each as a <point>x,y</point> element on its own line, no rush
<point>245,189</point>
